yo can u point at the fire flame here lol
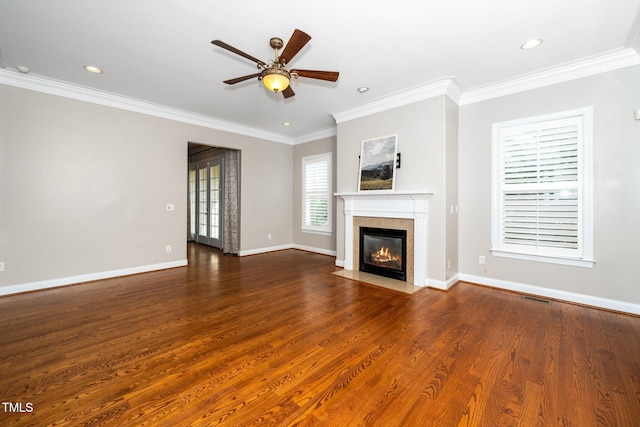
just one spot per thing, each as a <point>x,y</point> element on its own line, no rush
<point>384,257</point>
<point>384,252</point>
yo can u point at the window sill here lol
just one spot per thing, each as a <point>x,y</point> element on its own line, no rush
<point>320,232</point>
<point>575,262</point>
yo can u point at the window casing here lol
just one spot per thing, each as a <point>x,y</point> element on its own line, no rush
<point>542,188</point>
<point>316,193</point>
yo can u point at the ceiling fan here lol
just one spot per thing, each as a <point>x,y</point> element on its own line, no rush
<point>274,74</point>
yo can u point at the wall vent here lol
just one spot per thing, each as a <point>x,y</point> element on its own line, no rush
<point>546,301</point>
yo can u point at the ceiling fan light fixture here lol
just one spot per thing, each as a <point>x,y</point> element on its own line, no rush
<point>273,74</point>
<point>276,79</point>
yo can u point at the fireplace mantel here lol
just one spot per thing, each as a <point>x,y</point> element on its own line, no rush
<point>396,204</point>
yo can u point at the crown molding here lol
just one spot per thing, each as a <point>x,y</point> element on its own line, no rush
<point>80,93</point>
<point>610,61</point>
<point>633,38</point>
<point>446,86</point>
<point>613,60</point>
<point>327,132</point>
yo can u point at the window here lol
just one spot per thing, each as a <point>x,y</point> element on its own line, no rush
<point>542,207</point>
<point>316,193</point>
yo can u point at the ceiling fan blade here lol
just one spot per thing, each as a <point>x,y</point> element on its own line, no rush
<point>288,92</point>
<point>296,42</point>
<point>330,76</point>
<point>241,79</point>
<point>237,52</point>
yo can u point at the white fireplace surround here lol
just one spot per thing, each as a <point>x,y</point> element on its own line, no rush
<point>397,204</point>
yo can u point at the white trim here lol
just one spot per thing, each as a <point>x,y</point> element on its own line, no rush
<point>94,96</point>
<point>315,250</point>
<point>442,285</point>
<point>288,246</point>
<point>589,300</point>
<point>386,193</point>
<point>64,281</point>
<point>574,262</point>
<point>339,263</point>
<point>453,280</point>
<point>327,132</point>
<point>610,61</point>
<point>321,233</point>
<point>265,250</point>
<point>67,90</point>
<point>446,86</point>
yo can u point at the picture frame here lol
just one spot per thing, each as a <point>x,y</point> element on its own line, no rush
<point>378,164</point>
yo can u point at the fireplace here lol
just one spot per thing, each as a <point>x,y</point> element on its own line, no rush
<point>384,252</point>
<point>402,210</point>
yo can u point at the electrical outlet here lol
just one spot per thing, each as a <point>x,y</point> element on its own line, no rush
<point>171,207</point>
<point>268,236</point>
<point>481,259</point>
<point>1,266</point>
<point>167,248</point>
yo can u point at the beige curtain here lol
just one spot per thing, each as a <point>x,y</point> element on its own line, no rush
<point>231,218</point>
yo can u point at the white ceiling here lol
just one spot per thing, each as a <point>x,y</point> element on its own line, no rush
<point>159,51</point>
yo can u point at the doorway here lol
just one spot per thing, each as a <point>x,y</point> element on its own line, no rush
<point>214,197</point>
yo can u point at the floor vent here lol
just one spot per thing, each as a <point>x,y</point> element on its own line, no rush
<point>546,301</point>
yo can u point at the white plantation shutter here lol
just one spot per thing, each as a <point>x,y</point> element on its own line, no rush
<point>540,189</point>
<point>541,219</point>
<point>317,193</point>
<point>541,153</point>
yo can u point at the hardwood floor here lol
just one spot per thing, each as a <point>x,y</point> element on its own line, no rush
<point>275,339</point>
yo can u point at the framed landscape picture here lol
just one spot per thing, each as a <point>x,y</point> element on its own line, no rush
<point>378,163</point>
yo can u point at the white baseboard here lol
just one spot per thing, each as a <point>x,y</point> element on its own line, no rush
<point>265,250</point>
<point>604,303</point>
<point>441,284</point>
<point>453,280</point>
<point>339,263</point>
<point>315,250</point>
<point>64,281</point>
<point>288,246</point>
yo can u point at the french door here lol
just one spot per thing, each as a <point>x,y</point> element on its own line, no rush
<point>206,202</point>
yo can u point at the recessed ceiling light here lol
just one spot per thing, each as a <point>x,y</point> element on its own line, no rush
<point>286,123</point>
<point>530,44</point>
<point>363,89</point>
<point>93,69</point>
<point>22,69</point>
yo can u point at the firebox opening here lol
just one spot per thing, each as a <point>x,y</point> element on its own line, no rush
<point>383,252</point>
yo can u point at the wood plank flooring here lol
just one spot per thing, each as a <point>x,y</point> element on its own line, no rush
<point>276,339</point>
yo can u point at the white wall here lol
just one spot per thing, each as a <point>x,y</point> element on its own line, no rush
<point>614,278</point>
<point>84,187</point>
